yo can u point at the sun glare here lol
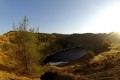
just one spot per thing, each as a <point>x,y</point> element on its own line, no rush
<point>106,21</point>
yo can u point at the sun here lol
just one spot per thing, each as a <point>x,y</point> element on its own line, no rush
<point>106,21</point>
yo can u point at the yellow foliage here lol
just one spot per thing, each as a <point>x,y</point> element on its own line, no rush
<point>108,55</point>
<point>12,76</point>
<point>3,38</point>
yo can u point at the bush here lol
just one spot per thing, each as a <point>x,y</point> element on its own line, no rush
<point>89,55</point>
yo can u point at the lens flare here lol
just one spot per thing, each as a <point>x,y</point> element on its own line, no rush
<point>106,21</point>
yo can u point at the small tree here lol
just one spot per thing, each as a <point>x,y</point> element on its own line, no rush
<point>89,55</point>
<point>27,52</point>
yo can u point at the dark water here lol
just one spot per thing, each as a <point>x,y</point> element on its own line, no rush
<point>67,56</point>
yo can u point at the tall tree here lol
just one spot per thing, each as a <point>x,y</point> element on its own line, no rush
<point>27,52</point>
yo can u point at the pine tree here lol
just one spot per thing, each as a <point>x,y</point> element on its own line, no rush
<point>27,52</point>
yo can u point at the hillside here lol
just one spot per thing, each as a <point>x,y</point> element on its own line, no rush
<point>105,66</point>
<point>6,63</point>
<point>104,46</point>
<point>9,65</point>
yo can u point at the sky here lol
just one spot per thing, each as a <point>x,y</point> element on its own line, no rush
<point>62,16</point>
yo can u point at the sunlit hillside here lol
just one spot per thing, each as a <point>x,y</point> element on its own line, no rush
<point>7,62</point>
<point>105,62</point>
<point>105,66</point>
<point>59,39</point>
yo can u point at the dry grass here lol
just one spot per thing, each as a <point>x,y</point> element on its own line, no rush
<point>109,68</point>
<point>12,76</point>
<point>113,54</point>
<point>105,66</point>
<point>6,64</point>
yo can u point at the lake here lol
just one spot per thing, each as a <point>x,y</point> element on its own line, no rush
<point>66,56</point>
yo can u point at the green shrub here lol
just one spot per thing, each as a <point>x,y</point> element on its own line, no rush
<point>89,55</point>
